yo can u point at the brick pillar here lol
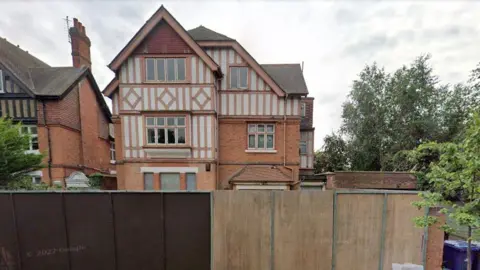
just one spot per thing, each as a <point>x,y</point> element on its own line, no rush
<point>436,237</point>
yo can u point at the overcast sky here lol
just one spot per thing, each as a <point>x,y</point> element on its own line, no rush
<point>335,39</point>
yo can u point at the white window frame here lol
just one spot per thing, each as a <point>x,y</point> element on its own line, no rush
<point>165,68</point>
<point>32,136</point>
<point>238,86</point>
<point>303,109</point>
<point>2,85</point>
<point>166,126</point>
<point>263,133</point>
<point>112,152</point>
<point>306,149</point>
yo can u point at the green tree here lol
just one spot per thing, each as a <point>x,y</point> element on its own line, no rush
<point>15,163</point>
<point>333,155</point>
<point>455,183</point>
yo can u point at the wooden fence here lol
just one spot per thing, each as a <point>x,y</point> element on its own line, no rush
<point>220,230</point>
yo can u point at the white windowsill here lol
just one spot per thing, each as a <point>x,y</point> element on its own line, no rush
<point>32,152</point>
<point>113,161</point>
<point>261,151</point>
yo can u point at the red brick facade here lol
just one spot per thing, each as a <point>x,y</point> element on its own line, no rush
<point>163,40</point>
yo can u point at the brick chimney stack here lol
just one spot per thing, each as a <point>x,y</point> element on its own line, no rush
<point>80,45</point>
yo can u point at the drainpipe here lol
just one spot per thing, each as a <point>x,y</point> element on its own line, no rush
<point>285,131</point>
<point>217,150</point>
<point>49,142</point>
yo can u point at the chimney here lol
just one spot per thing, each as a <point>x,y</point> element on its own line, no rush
<point>80,45</point>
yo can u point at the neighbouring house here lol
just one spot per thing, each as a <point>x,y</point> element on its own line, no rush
<point>194,110</point>
<point>61,107</point>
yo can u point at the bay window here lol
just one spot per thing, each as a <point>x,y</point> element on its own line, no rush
<point>261,136</point>
<point>165,69</point>
<point>170,130</point>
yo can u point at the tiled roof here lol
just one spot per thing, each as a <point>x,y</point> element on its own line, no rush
<point>261,173</point>
<point>288,76</point>
<point>202,33</point>
<point>38,77</point>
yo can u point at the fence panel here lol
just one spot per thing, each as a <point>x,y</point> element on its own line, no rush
<point>358,227</point>
<point>42,231</point>
<point>90,231</point>
<point>402,240</point>
<point>139,230</point>
<point>303,230</point>
<point>187,231</point>
<point>9,255</point>
<point>242,230</point>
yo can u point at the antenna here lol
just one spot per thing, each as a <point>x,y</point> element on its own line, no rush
<point>302,66</point>
<point>67,22</point>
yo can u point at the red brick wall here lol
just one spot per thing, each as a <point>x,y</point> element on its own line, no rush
<point>96,150</point>
<point>307,121</point>
<point>372,180</point>
<point>163,40</point>
<point>436,237</point>
<point>61,112</point>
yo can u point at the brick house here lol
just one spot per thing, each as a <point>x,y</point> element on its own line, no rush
<point>61,107</point>
<point>194,110</point>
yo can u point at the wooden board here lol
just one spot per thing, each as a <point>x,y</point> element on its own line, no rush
<point>241,230</point>
<point>403,241</point>
<point>303,230</point>
<point>358,231</point>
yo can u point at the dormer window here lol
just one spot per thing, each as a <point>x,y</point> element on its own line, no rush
<point>165,69</point>
<point>2,84</point>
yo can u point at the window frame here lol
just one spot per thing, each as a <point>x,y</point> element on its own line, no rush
<point>186,181</point>
<point>145,179</point>
<point>2,83</point>
<point>303,109</point>
<point>165,69</point>
<point>112,152</point>
<point>238,86</point>
<point>306,149</point>
<point>264,133</point>
<point>32,137</point>
<point>166,127</point>
<point>171,173</point>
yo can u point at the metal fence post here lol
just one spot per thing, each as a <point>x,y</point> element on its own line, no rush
<point>17,236</point>
<point>382,233</point>
<point>211,230</point>
<point>272,230</point>
<point>334,232</point>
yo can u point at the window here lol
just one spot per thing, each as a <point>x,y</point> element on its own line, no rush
<point>148,181</point>
<point>2,89</point>
<point>261,136</point>
<point>32,130</point>
<point>170,181</point>
<point>191,181</point>
<point>112,151</point>
<point>165,69</point>
<point>303,108</point>
<point>238,77</point>
<point>303,147</point>
<point>36,180</point>
<point>166,130</point>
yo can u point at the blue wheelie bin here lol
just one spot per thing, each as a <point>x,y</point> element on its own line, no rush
<point>455,255</point>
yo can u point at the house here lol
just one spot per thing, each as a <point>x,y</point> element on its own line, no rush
<point>61,107</point>
<point>194,110</point>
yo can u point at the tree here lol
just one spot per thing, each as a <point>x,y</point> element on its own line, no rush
<point>333,156</point>
<point>15,162</point>
<point>455,183</point>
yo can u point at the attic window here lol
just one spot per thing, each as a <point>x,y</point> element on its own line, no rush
<point>238,77</point>
<point>165,69</point>
<point>2,87</point>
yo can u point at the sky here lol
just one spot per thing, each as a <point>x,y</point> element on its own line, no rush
<point>334,39</point>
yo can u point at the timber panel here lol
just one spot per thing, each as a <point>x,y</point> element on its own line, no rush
<point>241,229</point>
<point>303,230</point>
<point>401,236</point>
<point>18,108</point>
<point>358,231</point>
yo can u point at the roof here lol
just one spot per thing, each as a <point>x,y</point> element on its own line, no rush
<point>202,33</point>
<point>38,77</point>
<point>288,76</point>
<point>261,173</point>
